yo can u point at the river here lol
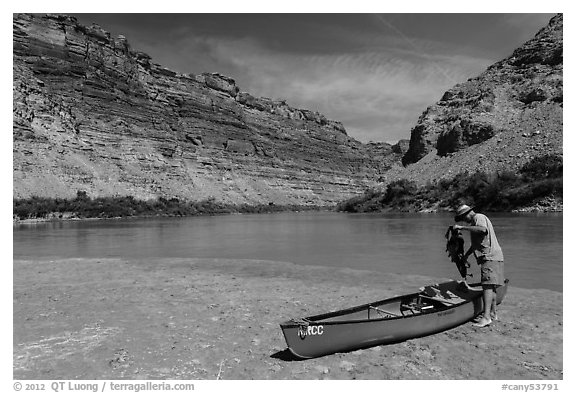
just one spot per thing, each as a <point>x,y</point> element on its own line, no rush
<point>397,243</point>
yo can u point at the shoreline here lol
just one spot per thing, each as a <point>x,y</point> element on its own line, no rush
<point>26,221</point>
<point>30,221</point>
<point>64,217</point>
<point>209,318</point>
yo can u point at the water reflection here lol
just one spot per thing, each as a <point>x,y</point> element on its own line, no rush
<point>399,243</point>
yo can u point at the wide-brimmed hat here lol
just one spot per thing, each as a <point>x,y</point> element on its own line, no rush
<point>461,212</point>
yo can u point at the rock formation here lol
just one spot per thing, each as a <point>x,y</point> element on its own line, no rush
<point>499,120</point>
<point>92,114</point>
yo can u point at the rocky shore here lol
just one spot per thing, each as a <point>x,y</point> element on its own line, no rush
<point>546,205</point>
<point>201,319</point>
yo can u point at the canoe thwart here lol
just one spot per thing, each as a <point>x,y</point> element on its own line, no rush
<point>387,314</point>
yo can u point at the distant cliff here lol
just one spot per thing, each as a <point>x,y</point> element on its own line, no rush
<point>499,120</point>
<point>92,114</point>
<point>494,141</point>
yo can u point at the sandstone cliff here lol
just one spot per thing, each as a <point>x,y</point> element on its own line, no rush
<point>497,121</point>
<point>92,114</point>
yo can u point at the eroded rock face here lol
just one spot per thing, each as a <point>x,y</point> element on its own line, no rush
<point>522,94</point>
<point>92,114</point>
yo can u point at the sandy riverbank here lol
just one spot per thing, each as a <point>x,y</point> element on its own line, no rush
<point>207,319</point>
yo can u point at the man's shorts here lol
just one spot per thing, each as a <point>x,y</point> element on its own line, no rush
<point>492,273</point>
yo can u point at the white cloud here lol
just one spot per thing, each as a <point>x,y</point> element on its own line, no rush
<point>377,94</point>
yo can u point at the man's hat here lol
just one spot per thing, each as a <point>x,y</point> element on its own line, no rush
<point>461,212</point>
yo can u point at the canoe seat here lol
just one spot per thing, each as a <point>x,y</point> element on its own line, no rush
<point>443,300</point>
<point>415,307</point>
<point>445,296</point>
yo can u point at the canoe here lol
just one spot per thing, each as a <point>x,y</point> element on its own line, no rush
<point>433,309</point>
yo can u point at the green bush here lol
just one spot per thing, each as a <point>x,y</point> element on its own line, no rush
<point>127,206</point>
<point>501,191</point>
<point>399,190</point>
<point>548,166</point>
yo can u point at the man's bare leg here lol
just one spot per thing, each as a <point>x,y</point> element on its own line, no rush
<point>493,315</point>
<point>487,296</point>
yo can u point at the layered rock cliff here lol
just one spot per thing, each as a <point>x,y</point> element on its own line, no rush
<point>92,114</point>
<point>497,121</point>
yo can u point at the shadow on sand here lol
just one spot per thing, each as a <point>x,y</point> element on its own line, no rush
<point>286,356</point>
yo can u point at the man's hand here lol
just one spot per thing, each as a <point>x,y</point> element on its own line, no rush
<point>457,227</point>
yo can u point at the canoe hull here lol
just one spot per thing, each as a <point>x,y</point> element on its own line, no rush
<point>329,333</point>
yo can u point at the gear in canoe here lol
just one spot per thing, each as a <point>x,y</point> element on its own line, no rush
<point>455,250</point>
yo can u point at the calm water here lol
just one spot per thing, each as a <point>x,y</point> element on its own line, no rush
<point>398,243</point>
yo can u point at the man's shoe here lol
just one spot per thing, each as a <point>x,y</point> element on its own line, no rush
<point>493,316</point>
<point>483,323</point>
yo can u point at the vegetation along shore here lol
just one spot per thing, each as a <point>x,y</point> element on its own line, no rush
<point>537,186</point>
<point>85,207</point>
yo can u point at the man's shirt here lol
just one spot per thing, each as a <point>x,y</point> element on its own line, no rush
<point>485,246</point>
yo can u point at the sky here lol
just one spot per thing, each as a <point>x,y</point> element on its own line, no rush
<point>376,73</point>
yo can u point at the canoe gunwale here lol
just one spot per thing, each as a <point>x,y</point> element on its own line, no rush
<point>319,319</point>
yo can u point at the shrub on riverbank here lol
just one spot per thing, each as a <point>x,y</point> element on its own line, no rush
<point>127,206</point>
<point>505,191</point>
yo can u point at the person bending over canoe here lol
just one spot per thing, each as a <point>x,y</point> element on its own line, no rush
<point>488,254</point>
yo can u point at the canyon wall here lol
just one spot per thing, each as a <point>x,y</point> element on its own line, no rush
<point>497,121</point>
<point>92,114</point>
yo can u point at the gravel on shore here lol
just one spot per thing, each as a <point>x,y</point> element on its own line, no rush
<point>202,319</point>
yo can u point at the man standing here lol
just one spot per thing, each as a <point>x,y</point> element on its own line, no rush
<point>488,254</point>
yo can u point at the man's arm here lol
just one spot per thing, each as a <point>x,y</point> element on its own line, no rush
<point>472,228</point>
